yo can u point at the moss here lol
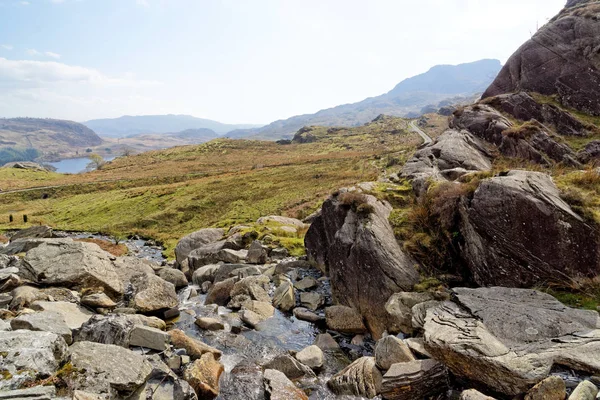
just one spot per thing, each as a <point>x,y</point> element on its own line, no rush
<point>6,375</point>
<point>427,284</point>
<point>575,300</point>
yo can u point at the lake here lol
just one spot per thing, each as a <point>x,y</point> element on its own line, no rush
<point>74,165</point>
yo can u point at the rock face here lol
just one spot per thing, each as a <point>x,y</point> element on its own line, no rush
<point>414,380</point>
<point>354,241</point>
<point>196,240</point>
<point>361,378</point>
<point>509,224</point>
<point>509,339</point>
<point>560,59</point>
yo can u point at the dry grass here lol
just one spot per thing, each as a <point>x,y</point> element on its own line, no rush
<point>117,250</point>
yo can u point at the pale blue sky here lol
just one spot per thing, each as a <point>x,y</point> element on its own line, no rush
<point>238,61</point>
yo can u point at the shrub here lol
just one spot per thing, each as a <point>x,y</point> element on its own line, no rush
<point>352,199</point>
<point>589,179</point>
<point>524,131</point>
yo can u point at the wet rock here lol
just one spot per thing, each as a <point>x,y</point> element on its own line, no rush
<point>205,273</point>
<point>257,253</point>
<point>311,300</point>
<point>206,286</point>
<point>151,338</point>
<point>210,324</point>
<point>98,300</point>
<point>220,292</point>
<point>279,387</point>
<point>304,314</point>
<point>108,369</point>
<point>151,293</point>
<point>174,276</point>
<point>193,347</point>
<point>284,297</point>
<point>255,287</point>
<point>73,315</point>
<point>311,356</point>
<point>414,380</point>
<point>203,376</point>
<point>391,350</point>
<point>551,388</point>
<point>365,263</point>
<point>344,320</point>
<point>195,240</point>
<point>263,309</point>
<point>399,307</point>
<point>46,321</point>
<point>473,394</point>
<point>307,283</point>
<point>586,390</point>
<point>251,318</point>
<point>28,355</point>
<point>509,339</point>
<point>361,378</point>
<point>291,367</point>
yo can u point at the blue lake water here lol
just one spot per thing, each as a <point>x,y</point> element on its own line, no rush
<point>74,165</point>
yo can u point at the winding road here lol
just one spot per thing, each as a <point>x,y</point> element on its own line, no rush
<point>426,139</point>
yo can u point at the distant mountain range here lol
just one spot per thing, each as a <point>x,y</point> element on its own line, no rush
<point>148,124</point>
<point>441,85</point>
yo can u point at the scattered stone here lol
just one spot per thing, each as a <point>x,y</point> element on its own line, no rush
<point>284,297</point>
<point>257,253</point>
<point>279,387</point>
<point>344,320</point>
<point>151,338</point>
<point>279,253</point>
<point>203,375</point>
<point>193,347</point>
<point>74,315</point>
<point>24,296</point>
<point>210,324</point>
<point>111,329</point>
<point>255,287</point>
<point>35,232</point>
<point>551,388</point>
<point>174,276</point>
<point>326,342</point>
<point>220,292</point>
<point>286,266</point>
<point>46,321</point>
<point>361,378</point>
<point>307,283</point>
<point>312,301</point>
<point>263,309</point>
<point>205,273</point>
<point>195,240</point>
<point>391,350</point>
<point>291,367</point>
<point>304,314</point>
<point>586,390</point>
<point>171,313</point>
<point>414,380</point>
<point>251,318</point>
<point>98,300</point>
<point>151,293</point>
<point>311,356</point>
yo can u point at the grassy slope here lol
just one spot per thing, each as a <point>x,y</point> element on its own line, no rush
<point>167,194</point>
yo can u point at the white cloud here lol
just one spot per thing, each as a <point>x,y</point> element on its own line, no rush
<point>52,55</point>
<point>6,46</point>
<point>33,52</point>
<point>57,1</point>
<point>24,3</point>
<point>142,3</point>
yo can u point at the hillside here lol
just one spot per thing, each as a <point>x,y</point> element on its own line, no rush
<point>145,124</point>
<point>440,86</point>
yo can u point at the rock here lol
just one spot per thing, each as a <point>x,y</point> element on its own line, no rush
<point>304,314</point>
<point>284,297</point>
<point>111,329</point>
<point>143,320</point>
<point>98,300</point>
<point>281,221</point>
<point>391,350</point>
<point>129,267</point>
<point>174,276</point>
<point>473,394</point>
<point>230,256</point>
<point>311,300</point>
<point>24,245</point>
<point>257,253</point>
<point>151,338</point>
<point>206,286</point>
<point>291,367</point>
<point>210,324</point>
<point>311,356</point>
<point>46,321</point>
<point>203,375</point>
<point>251,318</point>
<point>24,296</point>
<point>419,312</point>
<point>25,165</point>
<point>557,60</point>
<point>28,356</point>
<point>551,388</point>
<point>108,369</point>
<point>361,378</point>
<point>414,380</point>
<point>151,293</point>
<point>220,292</point>
<point>307,283</point>
<point>205,273</point>
<point>501,226</point>
<point>263,309</point>
<point>326,342</point>
<point>235,241</point>
<point>255,287</point>
<point>365,263</point>
<point>195,240</point>
<point>286,266</point>
<point>399,307</point>
<point>34,393</point>
<point>279,387</point>
<point>74,315</point>
<point>279,253</point>
<point>344,320</point>
<point>62,294</point>
<point>509,339</point>
<point>73,265</point>
<point>417,346</point>
<point>586,390</point>
<point>227,271</point>
<point>35,232</point>
<point>194,348</point>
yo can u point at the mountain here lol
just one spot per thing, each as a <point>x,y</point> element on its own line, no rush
<point>408,98</point>
<point>135,125</point>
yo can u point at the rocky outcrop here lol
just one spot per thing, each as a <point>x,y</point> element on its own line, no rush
<point>354,241</point>
<point>560,59</point>
<point>509,339</point>
<point>518,232</point>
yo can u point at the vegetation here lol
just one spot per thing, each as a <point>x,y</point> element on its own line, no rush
<point>11,154</point>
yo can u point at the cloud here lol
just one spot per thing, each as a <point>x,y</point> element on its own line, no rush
<point>6,46</point>
<point>24,3</point>
<point>57,1</point>
<point>52,55</point>
<point>142,3</point>
<point>28,73</point>
<point>35,53</point>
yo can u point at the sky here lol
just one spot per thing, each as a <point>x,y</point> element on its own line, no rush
<point>238,61</point>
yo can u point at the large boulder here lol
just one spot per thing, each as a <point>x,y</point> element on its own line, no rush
<point>195,240</point>
<point>74,315</point>
<point>510,339</point>
<point>46,321</point>
<point>203,375</point>
<point>518,232</point>
<point>35,232</point>
<point>353,240</point>
<point>151,293</point>
<point>560,59</point>
<point>361,378</point>
<point>419,379</point>
<point>73,265</point>
<point>279,387</point>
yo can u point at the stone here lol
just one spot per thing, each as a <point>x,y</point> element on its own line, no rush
<point>344,320</point>
<point>151,338</point>
<point>414,380</point>
<point>257,253</point>
<point>227,271</point>
<point>24,245</point>
<point>111,329</point>
<point>311,356</point>
<point>279,253</point>
<point>143,320</point>
<point>312,300</point>
<point>33,393</point>
<point>284,297</point>
<point>255,287</point>
<point>98,300</point>
<point>304,314</point>
<point>203,376</point>
<point>391,350</point>
<point>24,296</point>
<point>193,347</point>
<point>508,339</point>
<point>251,318</point>
<point>151,293</point>
<point>286,266</point>
<point>220,292</point>
<point>174,276</point>
<point>281,221</point>
<point>417,346</point>
<point>399,307</point>
<point>306,283</point>
<point>46,321</point>
<point>361,378</point>
<point>128,267</point>
<point>290,367</point>
<point>210,324</point>
<point>263,309</point>
<point>473,394</point>
<point>354,241</point>
<point>230,256</point>
<point>205,273</point>
<point>326,342</point>
<point>586,390</point>
<point>279,387</point>
<point>551,388</point>
<point>74,315</point>
<point>108,369</point>
<point>35,232</point>
<point>29,355</point>
<point>195,240</point>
